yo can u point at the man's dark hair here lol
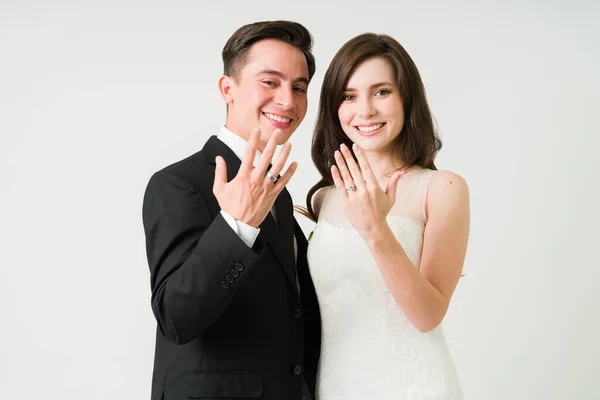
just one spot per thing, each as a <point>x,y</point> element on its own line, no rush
<point>236,50</point>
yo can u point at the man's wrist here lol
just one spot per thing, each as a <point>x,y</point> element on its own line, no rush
<point>247,233</point>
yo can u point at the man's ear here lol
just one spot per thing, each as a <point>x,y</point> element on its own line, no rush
<point>226,88</point>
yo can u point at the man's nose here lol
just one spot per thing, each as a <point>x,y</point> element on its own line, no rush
<point>285,97</point>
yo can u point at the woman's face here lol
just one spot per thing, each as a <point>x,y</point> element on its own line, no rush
<point>372,113</point>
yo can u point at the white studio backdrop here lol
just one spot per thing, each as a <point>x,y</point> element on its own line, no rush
<point>95,97</point>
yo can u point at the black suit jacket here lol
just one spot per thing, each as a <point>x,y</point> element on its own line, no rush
<point>231,320</point>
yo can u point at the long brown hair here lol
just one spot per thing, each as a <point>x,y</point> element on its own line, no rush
<point>418,141</point>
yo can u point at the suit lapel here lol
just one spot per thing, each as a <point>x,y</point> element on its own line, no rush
<point>279,238</point>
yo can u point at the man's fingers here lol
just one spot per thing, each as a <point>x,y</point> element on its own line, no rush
<point>269,151</point>
<point>281,159</point>
<point>285,178</point>
<point>250,152</point>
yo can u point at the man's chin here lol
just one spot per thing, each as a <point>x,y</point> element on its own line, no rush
<point>284,136</point>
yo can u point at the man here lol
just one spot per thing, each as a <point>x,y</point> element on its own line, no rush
<point>235,305</point>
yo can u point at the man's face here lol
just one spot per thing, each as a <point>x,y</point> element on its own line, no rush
<point>270,91</point>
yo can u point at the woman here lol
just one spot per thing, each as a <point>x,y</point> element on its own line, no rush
<point>391,233</point>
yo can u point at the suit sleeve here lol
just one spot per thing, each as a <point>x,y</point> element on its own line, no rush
<point>197,263</point>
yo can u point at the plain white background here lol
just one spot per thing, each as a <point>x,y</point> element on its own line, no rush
<point>95,97</point>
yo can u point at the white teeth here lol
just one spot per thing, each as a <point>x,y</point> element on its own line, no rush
<point>369,128</point>
<point>276,118</point>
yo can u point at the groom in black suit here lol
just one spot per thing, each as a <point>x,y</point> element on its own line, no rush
<point>232,295</point>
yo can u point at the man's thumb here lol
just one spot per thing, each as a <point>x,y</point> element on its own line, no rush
<point>220,172</point>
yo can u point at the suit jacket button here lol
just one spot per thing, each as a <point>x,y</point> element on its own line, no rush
<point>229,279</point>
<point>296,313</point>
<point>225,285</point>
<point>297,370</point>
<point>239,267</point>
<point>234,273</point>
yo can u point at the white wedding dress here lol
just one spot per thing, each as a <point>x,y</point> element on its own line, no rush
<point>370,350</point>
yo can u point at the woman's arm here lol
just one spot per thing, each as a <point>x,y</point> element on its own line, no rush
<point>424,294</point>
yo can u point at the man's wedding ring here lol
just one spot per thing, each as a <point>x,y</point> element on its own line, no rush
<point>272,177</point>
<point>350,188</point>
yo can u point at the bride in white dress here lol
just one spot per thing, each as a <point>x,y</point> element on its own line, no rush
<point>392,231</point>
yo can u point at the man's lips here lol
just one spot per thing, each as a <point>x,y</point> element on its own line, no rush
<point>278,118</point>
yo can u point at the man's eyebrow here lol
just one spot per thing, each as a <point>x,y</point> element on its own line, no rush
<point>373,86</point>
<point>281,75</point>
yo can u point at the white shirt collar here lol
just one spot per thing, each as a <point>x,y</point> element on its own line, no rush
<point>236,143</point>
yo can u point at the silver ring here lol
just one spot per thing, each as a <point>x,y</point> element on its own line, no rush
<point>272,177</point>
<point>351,188</point>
